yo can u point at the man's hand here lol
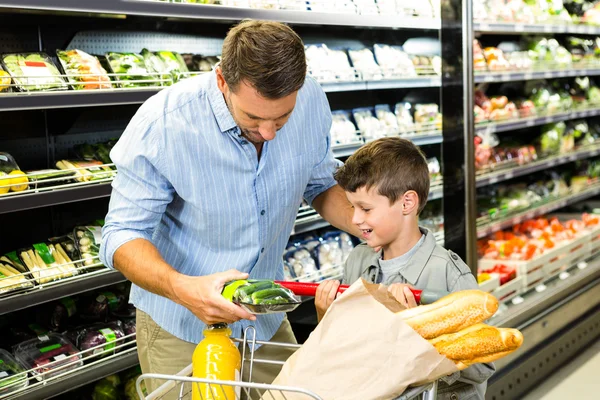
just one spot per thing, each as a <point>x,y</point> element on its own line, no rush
<point>326,294</point>
<point>202,296</point>
<point>402,293</point>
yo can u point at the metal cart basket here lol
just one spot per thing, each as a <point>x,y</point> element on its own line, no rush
<point>179,386</point>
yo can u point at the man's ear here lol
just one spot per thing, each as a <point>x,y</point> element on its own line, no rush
<point>410,202</point>
<point>221,84</point>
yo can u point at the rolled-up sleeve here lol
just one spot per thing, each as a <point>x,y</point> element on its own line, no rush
<point>140,192</point>
<point>322,174</point>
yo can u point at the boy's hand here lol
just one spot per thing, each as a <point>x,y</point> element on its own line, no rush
<point>326,294</point>
<point>402,293</point>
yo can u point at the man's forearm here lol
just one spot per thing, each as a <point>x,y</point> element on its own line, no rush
<point>334,207</point>
<point>141,263</point>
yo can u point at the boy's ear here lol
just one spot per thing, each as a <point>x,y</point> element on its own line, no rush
<point>410,202</point>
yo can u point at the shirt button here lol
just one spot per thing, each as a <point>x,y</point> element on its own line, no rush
<point>262,212</point>
<point>454,396</point>
<point>455,257</point>
<point>262,250</point>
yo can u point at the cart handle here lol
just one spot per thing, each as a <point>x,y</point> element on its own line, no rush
<point>309,289</point>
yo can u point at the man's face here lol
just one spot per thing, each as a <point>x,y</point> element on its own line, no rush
<point>259,118</point>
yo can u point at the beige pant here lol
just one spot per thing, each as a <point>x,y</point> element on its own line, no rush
<point>162,353</point>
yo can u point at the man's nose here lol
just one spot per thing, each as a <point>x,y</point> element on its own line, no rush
<point>268,130</point>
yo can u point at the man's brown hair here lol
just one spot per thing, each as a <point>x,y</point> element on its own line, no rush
<point>268,55</point>
<point>391,165</point>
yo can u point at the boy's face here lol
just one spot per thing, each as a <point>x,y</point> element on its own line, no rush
<point>379,221</point>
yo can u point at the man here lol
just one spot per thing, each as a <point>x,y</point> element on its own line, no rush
<point>211,174</point>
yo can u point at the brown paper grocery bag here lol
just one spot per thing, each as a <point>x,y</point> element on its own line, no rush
<point>363,350</point>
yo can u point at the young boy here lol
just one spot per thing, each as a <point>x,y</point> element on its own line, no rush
<point>387,183</point>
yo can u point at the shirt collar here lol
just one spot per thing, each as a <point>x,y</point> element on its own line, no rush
<point>414,267</point>
<point>218,105</point>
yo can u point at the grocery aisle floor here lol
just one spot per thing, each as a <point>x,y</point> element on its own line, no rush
<point>577,380</point>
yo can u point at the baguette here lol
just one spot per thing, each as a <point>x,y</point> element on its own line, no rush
<point>450,314</point>
<point>478,344</point>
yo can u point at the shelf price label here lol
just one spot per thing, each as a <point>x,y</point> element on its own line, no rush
<point>548,120</point>
<point>530,122</point>
<point>547,28</point>
<point>519,27</point>
<point>548,74</point>
<point>528,75</point>
<point>489,78</point>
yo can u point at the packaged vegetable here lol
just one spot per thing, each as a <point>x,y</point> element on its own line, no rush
<point>155,64</point>
<point>5,81</point>
<point>62,312</point>
<point>12,374</point>
<point>551,139</point>
<point>86,170</point>
<point>83,70</point>
<point>428,117</point>
<point>11,279</point>
<point>261,296</point>
<point>88,239</point>
<point>364,62</point>
<point>98,306</point>
<point>175,65</point>
<point>394,62</point>
<point>107,334</point>
<point>321,59</point>
<point>389,122</point>
<point>47,262</point>
<point>33,72</point>
<point>403,112</point>
<point>302,263</point>
<point>370,127</point>
<point>133,70</point>
<point>44,178</point>
<point>51,354</point>
<point>343,131</point>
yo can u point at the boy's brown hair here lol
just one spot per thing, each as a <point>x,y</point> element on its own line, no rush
<point>391,165</point>
<point>268,55</point>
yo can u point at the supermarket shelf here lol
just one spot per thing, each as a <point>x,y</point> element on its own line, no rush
<point>113,97</point>
<point>507,222</point>
<point>528,75</point>
<point>74,98</point>
<point>220,13</point>
<point>310,220</point>
<point>501,27</point>
<point>21,202</point>
<point>535,121</point>
<point>503,175</point>
<point>88,373</point>
<point>58,290</point>
<point>346,150</point>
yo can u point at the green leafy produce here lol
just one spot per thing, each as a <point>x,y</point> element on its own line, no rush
<point>550,140</point>
<point>155,64</point>
<point>133,70</point>
<point>33,72</point>
<point>13,374</point>
<point>175,64</point>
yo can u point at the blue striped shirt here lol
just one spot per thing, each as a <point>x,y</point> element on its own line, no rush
<point>190,184</point>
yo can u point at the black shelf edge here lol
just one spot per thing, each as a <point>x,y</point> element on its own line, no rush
<point>86,375</point>
<point>529,75</point>
<point>536,121</point>
<point>95,98</point>
<point>506,174</point>
<point>58,290</point>
<point>504,223</point>
<point>313,224</point>
<point>220,13</point>
<point>54,197</point>
<point>500,27</point>
<point>73,98</point>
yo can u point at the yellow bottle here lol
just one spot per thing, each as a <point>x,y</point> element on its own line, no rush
<point>216,357</point>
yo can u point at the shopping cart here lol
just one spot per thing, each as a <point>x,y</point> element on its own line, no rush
<point>179,386</point>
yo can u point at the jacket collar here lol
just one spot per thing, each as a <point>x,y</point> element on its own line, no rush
<point>415,265</point>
